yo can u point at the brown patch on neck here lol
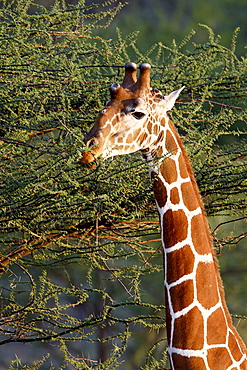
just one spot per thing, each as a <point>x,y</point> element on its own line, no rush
<point>182,295</point>
<point>174,196</point>
<point>182,362</point>
<point>214,354</point>
<point>206,285</point>
<point>185,259</point>
<point>185,335</point>
<point>200,234</point>
<point>168,170</point>
<point>160,191</point>
<point>217,328</point>
<point>175,227</point>
<point>171,145</point>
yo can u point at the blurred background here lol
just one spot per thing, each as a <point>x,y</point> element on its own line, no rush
<point>165,20</point>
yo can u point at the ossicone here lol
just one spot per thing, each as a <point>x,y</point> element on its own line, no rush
<point>143,82</point>
<point>114,89</point>
<point>130,75</point>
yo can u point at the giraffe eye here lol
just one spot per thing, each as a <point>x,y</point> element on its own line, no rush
<point>138,115</point>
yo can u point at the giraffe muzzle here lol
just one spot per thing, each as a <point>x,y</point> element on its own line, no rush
<point>89,157</point>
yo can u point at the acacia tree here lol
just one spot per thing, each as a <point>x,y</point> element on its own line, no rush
<point>80,248</point>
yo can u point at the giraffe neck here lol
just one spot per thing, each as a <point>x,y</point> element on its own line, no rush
<point>200,332</point>
<point>199,326</point>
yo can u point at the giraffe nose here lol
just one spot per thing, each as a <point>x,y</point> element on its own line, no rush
<point>89,157</point>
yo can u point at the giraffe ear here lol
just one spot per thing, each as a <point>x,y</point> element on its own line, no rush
<point>171,98</point>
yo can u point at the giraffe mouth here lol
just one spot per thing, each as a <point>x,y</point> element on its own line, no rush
<point>88,159</point>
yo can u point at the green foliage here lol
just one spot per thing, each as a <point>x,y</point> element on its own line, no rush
<point>79,264</point>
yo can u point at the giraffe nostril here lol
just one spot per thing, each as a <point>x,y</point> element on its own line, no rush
<point>91,142</point>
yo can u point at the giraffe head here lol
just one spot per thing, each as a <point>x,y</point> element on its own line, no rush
<point>132,120</point>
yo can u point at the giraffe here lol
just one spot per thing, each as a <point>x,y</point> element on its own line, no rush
<point>199,326</point>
